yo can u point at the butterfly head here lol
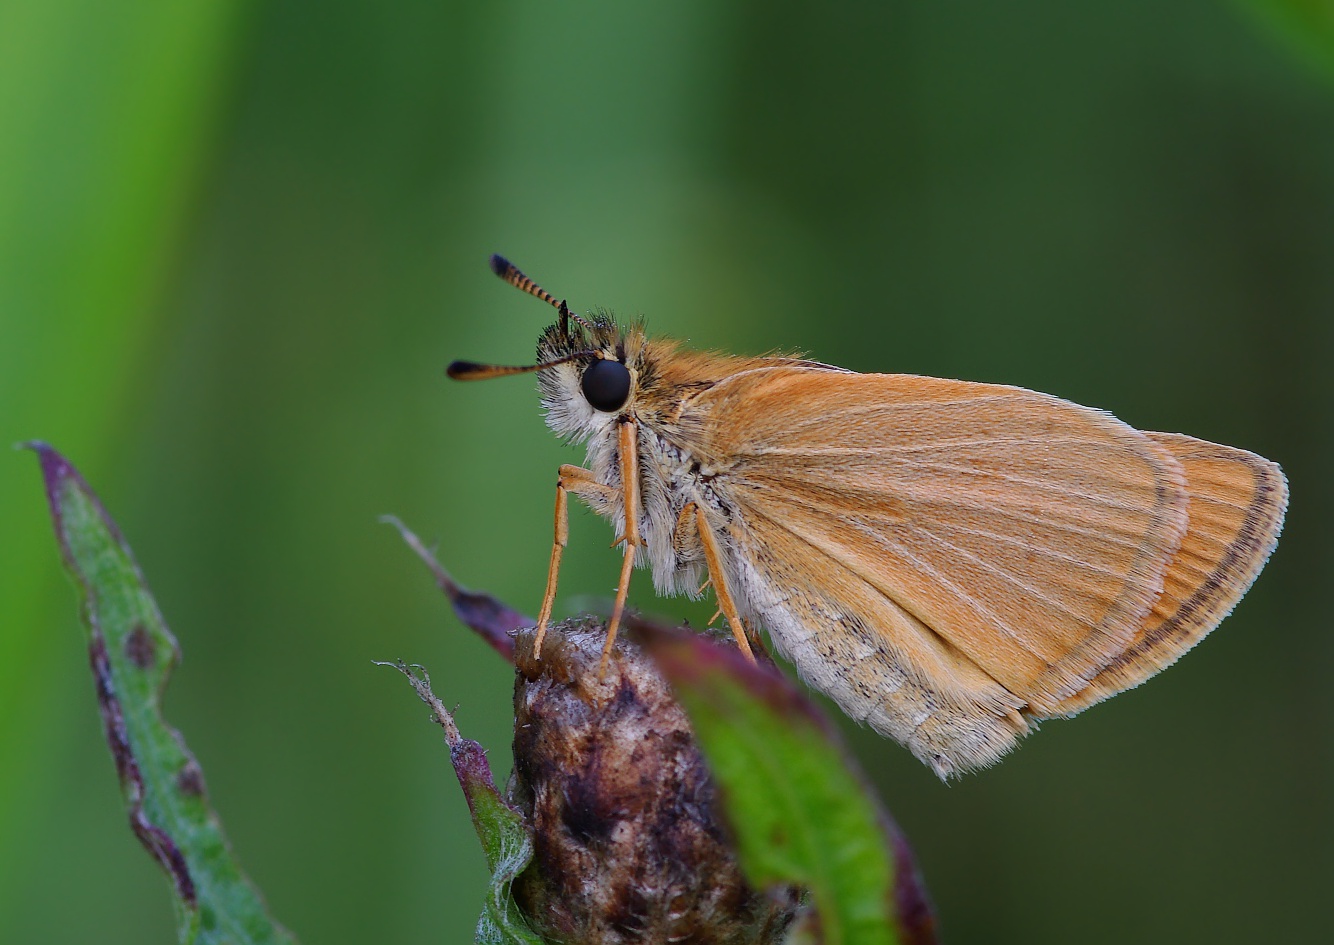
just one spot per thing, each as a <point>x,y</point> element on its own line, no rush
<point>596,367</point>
<point>588,368</point>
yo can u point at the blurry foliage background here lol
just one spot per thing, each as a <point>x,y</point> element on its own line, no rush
<point>240,240</point>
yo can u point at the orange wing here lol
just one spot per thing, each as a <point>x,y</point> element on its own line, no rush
<point>942,556</point>
<point>1237,503</point>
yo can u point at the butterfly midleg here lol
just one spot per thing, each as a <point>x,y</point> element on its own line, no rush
<point>713,559</point>
<point>580,481</point>
<point>628,435</point>
<point>686,546</point>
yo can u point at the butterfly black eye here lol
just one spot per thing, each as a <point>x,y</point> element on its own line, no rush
<point>607,385</point>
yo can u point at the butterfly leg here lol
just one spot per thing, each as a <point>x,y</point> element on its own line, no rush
<point>580,481</point>
<point>685,542</point>
<point>713,558</point>
<point>629,453</point>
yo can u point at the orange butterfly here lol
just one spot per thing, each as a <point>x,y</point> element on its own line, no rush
<point>949,561</point>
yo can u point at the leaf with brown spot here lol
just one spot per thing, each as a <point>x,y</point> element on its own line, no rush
<point>132,654</point>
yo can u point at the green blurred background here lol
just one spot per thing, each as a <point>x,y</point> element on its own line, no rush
<point>239,240</point>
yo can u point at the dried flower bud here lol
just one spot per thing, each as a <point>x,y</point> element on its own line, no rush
<point>629,845</point>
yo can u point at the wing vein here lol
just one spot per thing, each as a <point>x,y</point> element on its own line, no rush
<point>836,553</point>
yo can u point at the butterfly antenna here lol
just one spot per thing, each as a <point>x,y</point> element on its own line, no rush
<point>511,274</point>
<point>472,371</point>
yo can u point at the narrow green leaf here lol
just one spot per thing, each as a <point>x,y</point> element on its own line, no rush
<point>800,811</point>
<point>109,124</point>
<point>132,654</point>
<point>507,843</point>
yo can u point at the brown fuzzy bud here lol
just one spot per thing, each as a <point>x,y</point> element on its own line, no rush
<point>629,844</point>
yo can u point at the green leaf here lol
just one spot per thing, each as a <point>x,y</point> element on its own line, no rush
<point>132,654</point>
<point>109,118</point>
<point>800,811</point>
<point>507,843</point>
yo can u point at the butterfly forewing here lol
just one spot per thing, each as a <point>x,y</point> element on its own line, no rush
<point>1023,539</point>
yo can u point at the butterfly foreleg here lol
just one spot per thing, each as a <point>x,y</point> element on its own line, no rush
<point>628,436</point>
<point>582,483</point>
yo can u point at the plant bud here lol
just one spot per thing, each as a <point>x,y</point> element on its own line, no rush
<point>629,845</point>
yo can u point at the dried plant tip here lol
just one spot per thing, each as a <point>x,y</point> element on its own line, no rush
<point>629,844</point>
<point>492,620</point>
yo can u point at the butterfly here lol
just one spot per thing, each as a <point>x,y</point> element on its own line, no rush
<point>951,562</point>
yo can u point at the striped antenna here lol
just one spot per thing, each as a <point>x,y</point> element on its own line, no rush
<point>472,371</point>
<point>511,274</point>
